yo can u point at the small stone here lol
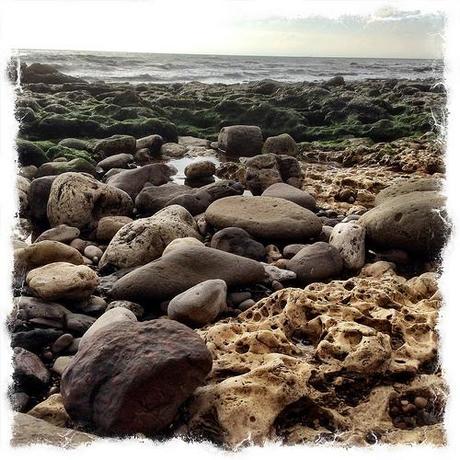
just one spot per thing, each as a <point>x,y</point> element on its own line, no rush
<point>61,363</point>
<point>137,309</point>
<point>246,304</point>
<point>62,343</point>
<point>276,285</point>
<point>237,297</point>
<point>93,252</point>
<point>420,402</point>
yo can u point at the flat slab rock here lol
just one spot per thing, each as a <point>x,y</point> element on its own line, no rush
<point>183,268</point>
<point>131,377</point>
<point>264,217</point>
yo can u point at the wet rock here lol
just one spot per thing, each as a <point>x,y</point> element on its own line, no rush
<point>120,160</point>
<point>62,281</point>
<point>239,242</point>
<point>51,410</point>
<point>29,371</point>
<point>199,305</point>
<point>282,143</point>
<point>316,262</point>
<point>144,240</point>
<point>108,226</point>
<point>155,364</point>
<point>132,181</point>
<point>62,233</point>
<point>349,239</point>
<point>240,140</point>
<point>115,144</point>
<point>415,222</point>
<point>180,243</point>
<point>180,270</point>
<point>79,201</point>
<point>286,191</point>
<point>200,169</point>
<point>28,430</point>
<point>264,217</point>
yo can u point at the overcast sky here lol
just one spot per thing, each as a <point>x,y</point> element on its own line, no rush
<point>363,28</point>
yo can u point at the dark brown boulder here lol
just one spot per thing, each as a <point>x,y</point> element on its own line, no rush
<point>132,377</point>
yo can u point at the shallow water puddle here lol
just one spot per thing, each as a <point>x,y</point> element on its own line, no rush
<point>181,163</point>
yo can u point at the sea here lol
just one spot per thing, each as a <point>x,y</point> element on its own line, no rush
<point>180,68</point>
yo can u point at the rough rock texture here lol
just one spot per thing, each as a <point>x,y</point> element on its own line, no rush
<point>264,217</point>
<point>240,140</point>
<point>199,305</point>
<point>51,410</point>
<point>78,200</point>
<point>415,222</point>
<point>327,363</point>
<point>349,239</point>
<point>180,270</point>
<point>138,383</point>
<point>144,240</point>
<point>283,143</point>
<point>28,430</point>
<point>62,281</point>
<point>403,186</point>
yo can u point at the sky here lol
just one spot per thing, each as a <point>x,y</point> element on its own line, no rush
<point>366,28</point>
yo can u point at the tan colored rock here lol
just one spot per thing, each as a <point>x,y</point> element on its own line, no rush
<point>79,200</point>
<point>181,243</point>
<point>305,353</point>
<point>144,240</point>
<point>62,281</point>
<point>45,252</point>
<point>51,410</point>
<point>108,226</point>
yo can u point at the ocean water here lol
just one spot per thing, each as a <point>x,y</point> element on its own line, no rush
<point>171,68</point>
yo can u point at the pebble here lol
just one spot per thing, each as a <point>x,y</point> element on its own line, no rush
<point>246,304</point>
<point>276,285</point>
<point>93,252</point>
<point>62,343</point>
<point>236,298</point>
<point>420,402</point>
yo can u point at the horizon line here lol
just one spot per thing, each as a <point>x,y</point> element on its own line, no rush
<point>229,55</point>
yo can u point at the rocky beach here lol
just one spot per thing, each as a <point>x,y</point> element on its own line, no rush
<point>234,263</point>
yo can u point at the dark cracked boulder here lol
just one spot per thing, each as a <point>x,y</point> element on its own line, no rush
<point>181,269</point>
<point>137,384</point>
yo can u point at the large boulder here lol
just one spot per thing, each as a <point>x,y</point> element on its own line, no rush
<point>316,262</point>
<point>290,193</point>
<point>138,383</point>
<point>415,222</point>
<point>62,281</point>
<point>144,240</point>
<point>240,140</point>
<point>199,305</point>
<point>132,181</point>
<point>79,201</point>
<point>179,270</point>
<point>403,186</point>
<point>265,217</point>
